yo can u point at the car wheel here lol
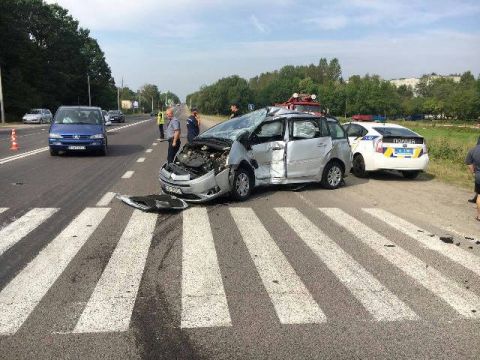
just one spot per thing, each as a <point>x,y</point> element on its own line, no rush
<point>103,151</point>
<point>242,185</point>
<point>53,152</point>
<point>410,174</point>
<point>332,175</point>
<point>358,166</point>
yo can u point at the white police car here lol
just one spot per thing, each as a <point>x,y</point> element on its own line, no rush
<point>377,146</point>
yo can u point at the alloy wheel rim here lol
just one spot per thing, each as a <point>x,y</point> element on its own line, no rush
<point>243,184</point>
<point>334,176</point>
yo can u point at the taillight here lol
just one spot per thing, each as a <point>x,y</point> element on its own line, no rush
<point>425,148</point>
<point>379,146</point>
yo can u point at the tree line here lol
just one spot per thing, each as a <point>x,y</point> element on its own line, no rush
<point>149,95</point>
<point>370,94</point>
<point>46,58</point>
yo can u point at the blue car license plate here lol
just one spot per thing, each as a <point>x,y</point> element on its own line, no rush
<point>403,151</point>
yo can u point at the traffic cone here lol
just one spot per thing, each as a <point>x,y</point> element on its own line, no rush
<point>14,141</point>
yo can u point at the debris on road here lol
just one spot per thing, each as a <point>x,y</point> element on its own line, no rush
<point>154,202</point>
<point>447,239</point>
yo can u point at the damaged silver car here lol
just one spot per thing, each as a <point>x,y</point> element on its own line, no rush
<point>268,146</point>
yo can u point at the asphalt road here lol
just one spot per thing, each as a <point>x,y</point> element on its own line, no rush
<point>359,272</point>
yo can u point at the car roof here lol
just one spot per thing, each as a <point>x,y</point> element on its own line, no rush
<point>80,107</point>
<point>277,111</point>
<point>372,124</point>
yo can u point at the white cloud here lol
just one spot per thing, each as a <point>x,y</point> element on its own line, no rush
<point>258,25</point>
<point>328,22</point>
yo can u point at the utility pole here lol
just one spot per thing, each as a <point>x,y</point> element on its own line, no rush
<point>89,95</point>
<point>2,108</point>
<point>118,98</point>
<point>152,104</point>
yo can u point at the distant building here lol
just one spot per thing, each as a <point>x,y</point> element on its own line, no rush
<point>413,82</point>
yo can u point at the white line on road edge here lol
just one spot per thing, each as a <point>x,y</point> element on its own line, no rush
<point>149,151</point>
<point>40,150</point>
<point>204,303</point>
<point>3,210</point>
<point>17,230</point>
<point>111,304</point>
<point>140,160</point>
<point>22,155</point>
<point>291,299</point>
<point>20,297</point>
<point>128,174</point>
<point>376,298</point>
<point>454,253</point>
<point>463,301</point>
<point>105,200</point>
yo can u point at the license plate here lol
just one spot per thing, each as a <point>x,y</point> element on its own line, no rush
<point>403,151</point>
<point>173,189</point>
<point>76,148</point>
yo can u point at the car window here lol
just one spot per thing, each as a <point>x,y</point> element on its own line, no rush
<point>305,129</point>
<point>270,131</point>
<point>324,127</point>
<point>336,131</point>
<point>355,130</point>
<point>391,131</point>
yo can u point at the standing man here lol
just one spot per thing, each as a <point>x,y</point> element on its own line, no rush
<point>193,125</point>
<point>160,122</point>
<point>173,135</point>
<point>473,163</point>
<point>235,110</point>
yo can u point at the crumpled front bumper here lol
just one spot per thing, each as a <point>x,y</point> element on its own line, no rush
<point>201,189</point>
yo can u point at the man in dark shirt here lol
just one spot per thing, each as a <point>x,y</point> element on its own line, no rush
<point>235,110</point>
<point>193,125</point>
<point>473,163</point>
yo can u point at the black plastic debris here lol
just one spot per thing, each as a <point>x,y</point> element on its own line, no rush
<point>389,245</point>
<point>154,202</point>
<point>447,239</point>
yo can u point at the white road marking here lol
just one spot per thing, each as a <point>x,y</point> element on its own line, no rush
<point>17,230</point>
<point>450,229</point>
<point>376,298</point>
<point>149,151</point>
<point>204,303</point>
<point>22,155</point>
<point>40,150</point>
<point>105,200</point>
<point>141,160</point>
<point>291,299</point>
<point>128,174</point>
<point>463,301</point>
<point>20,297</point>
<point>454,253</point>
<point>3,210</point>
<point>111,304</point>
<point>154,144</point>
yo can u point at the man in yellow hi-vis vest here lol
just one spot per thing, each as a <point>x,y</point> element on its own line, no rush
<point>160,122</point>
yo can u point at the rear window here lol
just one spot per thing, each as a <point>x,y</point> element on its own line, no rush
<point>390,131</point>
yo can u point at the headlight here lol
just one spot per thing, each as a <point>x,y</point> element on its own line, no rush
<point>97,136</point>
<point>55,136</point>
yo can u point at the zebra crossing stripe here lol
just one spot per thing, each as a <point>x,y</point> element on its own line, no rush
<point>454,253</point>
<point>105,200</point>
<point>111,304</point>
<point>291,299</point>
<point>3,210</point>
<point>377,299</point>
<point>17,230</point>
<point>20,297</point>
<point>204,303</point>
<point>463,301</point>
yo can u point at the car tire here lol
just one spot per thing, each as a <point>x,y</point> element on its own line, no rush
<point>358,166</point>
<point>332,175</point>
<point>103,151</point>
<point>242,184</point>
<point>412,174</point>
<point>53,152</point>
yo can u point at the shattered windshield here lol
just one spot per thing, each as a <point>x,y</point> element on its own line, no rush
<point>230,129</point>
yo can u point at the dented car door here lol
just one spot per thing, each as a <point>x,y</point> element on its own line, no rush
<point>268,149</point>
<point>308,147</point>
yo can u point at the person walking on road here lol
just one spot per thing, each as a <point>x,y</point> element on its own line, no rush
<point>193,125</point>
<point>473,163</point>
<point>235,110</point>
<point>173,135</point>
<point>160,122</point>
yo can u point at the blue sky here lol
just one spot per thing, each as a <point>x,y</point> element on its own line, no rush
<point>183,44</point>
